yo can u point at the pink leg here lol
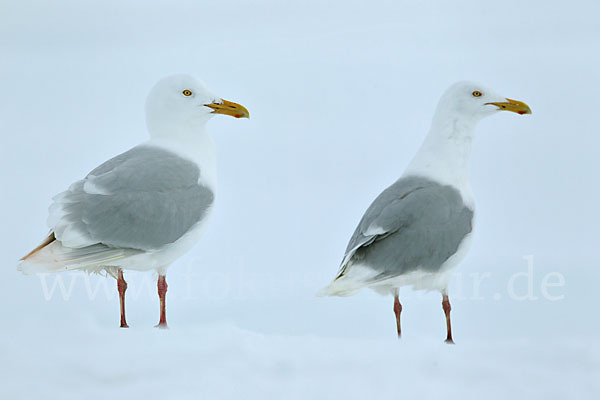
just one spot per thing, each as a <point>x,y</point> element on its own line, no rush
<point>162,291</point>
<point>122,287</point>
<point>397,311</point>
<point>447,308</point>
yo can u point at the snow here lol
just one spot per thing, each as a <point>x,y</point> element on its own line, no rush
<point>257,344</point>
<point>221,361</point>
<point>324,82</point>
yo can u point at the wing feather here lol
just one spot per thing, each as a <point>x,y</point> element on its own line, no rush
<point>414,224</point>
<point>143,199</point>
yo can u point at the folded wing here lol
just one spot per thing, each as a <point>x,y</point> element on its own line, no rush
<point>143,199</point>
<point>415,224</point>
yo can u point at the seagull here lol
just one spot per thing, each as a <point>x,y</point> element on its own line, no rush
<point>146,207</point>
<point>418,230</point>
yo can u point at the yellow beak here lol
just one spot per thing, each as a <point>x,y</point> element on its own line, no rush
<point>229,108</point>
<point>513,105</point>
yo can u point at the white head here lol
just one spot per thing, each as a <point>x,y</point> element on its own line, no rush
<point>180,102</point>
<point>445,152</point>
<point>468,101</point>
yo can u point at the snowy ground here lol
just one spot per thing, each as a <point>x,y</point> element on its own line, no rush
<point>341,94</point>
<point>224,362</point>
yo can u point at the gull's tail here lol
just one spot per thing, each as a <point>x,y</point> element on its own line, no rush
<point>350,280</point>
<point>52,256</point>
<point>341,287</point>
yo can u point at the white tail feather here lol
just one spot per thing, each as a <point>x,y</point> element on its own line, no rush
<point>55,258</point>
<point>351,280</point>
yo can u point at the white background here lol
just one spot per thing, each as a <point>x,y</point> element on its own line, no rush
<point>341,94</point>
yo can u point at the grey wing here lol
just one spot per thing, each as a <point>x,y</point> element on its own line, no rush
<point>415,224</point>
<point>142,199</point>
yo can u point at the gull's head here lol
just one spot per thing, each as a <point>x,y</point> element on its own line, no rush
<point>183,101</point>
<point>472,101</point>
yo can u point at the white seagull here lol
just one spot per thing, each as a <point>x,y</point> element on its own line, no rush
<point>418,230</point>
<point>145,208</point>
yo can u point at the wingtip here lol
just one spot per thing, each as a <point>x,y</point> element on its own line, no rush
<point>51,238</point>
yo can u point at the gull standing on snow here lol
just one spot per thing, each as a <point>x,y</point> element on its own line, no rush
<point>145,208</point>
<point>418,230</point>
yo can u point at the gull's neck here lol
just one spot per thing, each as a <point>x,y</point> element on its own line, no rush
<point>191,141</point>
<point>444,155</point>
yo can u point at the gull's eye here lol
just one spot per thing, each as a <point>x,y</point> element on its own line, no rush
<point>187,93</point>
<point>477,93</point>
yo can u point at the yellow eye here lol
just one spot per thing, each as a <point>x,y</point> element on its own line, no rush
<point>187,92</point>
<point>477,93</point>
